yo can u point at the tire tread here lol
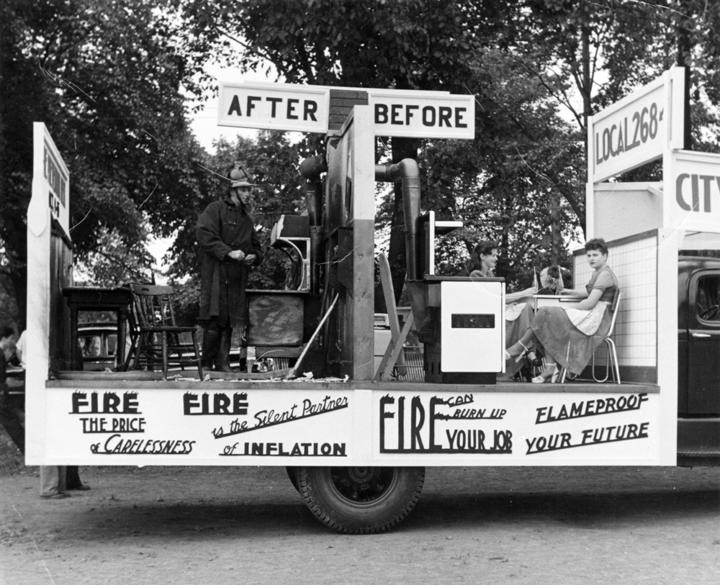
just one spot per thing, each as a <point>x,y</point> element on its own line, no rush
<point>322,511</point>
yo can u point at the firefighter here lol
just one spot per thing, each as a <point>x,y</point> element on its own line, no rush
<point>229,248</point>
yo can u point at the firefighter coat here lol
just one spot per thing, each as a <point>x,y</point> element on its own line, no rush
<point>221,228</point>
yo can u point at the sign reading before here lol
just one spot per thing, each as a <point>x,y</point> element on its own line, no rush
<point>423,116</point>
<point>306,108</point>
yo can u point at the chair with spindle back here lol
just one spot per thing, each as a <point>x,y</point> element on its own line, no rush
<point>157,337</point>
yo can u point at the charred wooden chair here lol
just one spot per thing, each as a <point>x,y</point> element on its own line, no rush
<point>157,338</point>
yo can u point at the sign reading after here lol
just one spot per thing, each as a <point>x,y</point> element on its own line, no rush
<point>299,108</point>
<point>305,108</point>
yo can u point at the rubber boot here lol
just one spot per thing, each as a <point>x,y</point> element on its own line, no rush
<point>211,346</point>
<point>223,354</point>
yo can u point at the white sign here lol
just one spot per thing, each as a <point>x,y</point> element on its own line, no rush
<point>423,116</point>
<point>482,428</point>
<point>297,424</point>
<point>693,191</point>
<point>299,108</point>
<point>51,178</point>
<point>303,108</point>
<point>638,129</point>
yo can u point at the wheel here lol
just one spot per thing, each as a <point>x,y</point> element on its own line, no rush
<point>292,474</point>
<point>360,500</point>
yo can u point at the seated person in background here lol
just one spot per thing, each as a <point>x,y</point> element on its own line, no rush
<point>569,336</point>
<point>484,259</point>
<point>482,265</point>
<point>7,333</point>
<point>554,280</point>
<point>518,316</point>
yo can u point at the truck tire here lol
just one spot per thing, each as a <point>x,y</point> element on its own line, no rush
<point>360,500</point>
<point>292,475</point>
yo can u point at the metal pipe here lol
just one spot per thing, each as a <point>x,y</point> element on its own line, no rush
<point>310,168</point>
<point>407,170</point>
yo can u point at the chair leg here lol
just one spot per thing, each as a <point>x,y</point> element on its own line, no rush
<point>563,375</point>
<point>164,354</point>
<point>142,351</point>
<point>563,370</point>
<point>197,355</point>
<point>608,363</point>
<point>612,353</point>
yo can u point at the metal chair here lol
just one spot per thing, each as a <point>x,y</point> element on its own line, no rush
<point>157,337</point>
<point>611,363</point>
<point>611,360</point>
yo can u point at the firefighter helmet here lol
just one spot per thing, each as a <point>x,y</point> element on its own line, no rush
<point>239,178</point>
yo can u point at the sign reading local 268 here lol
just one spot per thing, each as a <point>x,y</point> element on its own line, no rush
<point>630,137</point>
<point>638,129</point>
<point>305,108</point>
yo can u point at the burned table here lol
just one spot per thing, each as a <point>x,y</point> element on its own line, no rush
<point>82,298</point>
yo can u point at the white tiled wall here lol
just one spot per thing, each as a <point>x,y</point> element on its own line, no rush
<point>635,265</point>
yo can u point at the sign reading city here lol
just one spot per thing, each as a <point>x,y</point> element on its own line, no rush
<point>694,191</point>
<point>638,129</point>
<point>306,108</point>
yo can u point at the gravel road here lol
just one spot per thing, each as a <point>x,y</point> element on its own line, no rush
<point>217,526</point>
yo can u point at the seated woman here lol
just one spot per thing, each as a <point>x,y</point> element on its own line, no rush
<point>482,265</point>
<point>555,280</point>
<point>569,336</point>
<point>484,259</point>
<point>518,311</point>
<point>519,315</point>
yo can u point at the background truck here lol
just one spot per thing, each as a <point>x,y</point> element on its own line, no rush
<point>356,444</point>
<point>698,353</point>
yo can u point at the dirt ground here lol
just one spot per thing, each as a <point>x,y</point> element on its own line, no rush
<point>217,526</point>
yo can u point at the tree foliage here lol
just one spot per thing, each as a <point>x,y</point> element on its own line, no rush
<point>111,79</point>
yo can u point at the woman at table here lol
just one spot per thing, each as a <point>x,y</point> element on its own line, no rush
<point>484,260</point>
<point>483,263</point>
<point>554,280</point>
<point>517,310</point>
<point>569,336</point>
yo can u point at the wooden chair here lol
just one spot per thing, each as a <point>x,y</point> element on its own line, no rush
<point>156,336</point>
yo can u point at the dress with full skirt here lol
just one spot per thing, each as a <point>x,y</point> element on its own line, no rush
<point>570,336</point>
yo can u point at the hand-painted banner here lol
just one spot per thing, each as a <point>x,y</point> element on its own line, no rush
<point>349,427</point>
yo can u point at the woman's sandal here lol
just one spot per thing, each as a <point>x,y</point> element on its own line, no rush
<point>548,374</point>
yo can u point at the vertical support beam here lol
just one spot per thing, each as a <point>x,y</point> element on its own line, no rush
<point>361,169</point>
<point>669,242</point>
